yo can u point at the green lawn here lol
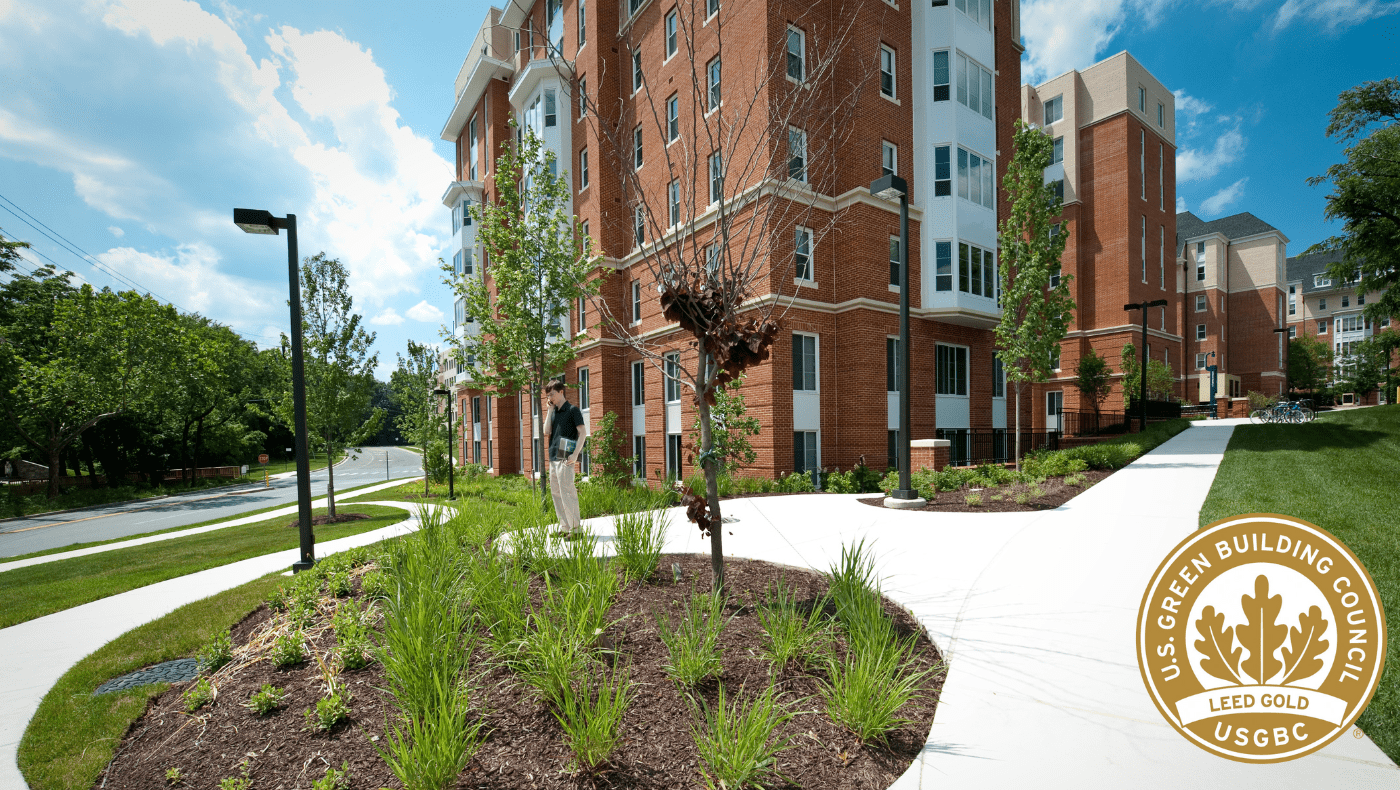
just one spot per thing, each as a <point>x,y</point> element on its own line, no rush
<point>256,470</point>
<point>1339,473</point>
<point>27,593</point>
<point>73,735</point>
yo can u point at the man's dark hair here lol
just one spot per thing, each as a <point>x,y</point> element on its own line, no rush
<point>554,386</point>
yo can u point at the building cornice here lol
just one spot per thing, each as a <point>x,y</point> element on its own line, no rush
<point>486,69</point>
<point>1113,330</point>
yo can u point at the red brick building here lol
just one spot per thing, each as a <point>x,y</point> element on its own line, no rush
<point>943,93</point>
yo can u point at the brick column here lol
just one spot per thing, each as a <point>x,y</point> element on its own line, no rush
<point>928,454</point>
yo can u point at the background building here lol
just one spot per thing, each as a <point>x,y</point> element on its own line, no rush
<point>1323,307</point>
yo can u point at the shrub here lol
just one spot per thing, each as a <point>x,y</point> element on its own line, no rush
<point>1023,498</point>
<point>605,451</point>
<point>338,583</point>
<point>288,650</point>
<point>352,641</point>
<point>1258,400</point>
<point>217,653</point>
<point>374,584</point>
<point>330,710</point>
<point>1053,464</point>
<point>266,700</point>
<point>796,483</point>
<point>198,695</point>
<point>736,742</point>
<point>867,690</point>
<point>975,500</point>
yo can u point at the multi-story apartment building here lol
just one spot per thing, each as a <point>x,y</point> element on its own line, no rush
<point>1114,126</point>
<point>1321,306</point>
<point>942,97</point>
<point>1234,298</point>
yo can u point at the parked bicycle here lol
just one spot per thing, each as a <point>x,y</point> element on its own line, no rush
<point>1284,412</point>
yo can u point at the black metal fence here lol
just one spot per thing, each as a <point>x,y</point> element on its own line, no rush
<point>995,445</point>
<point>1088,423</point>
<point>1204,410</point>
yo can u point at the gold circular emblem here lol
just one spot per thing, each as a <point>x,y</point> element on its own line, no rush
<point>1261,638</point>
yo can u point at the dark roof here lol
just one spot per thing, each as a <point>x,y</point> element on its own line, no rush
<point>1236,226</point>
<point>1305,267</point>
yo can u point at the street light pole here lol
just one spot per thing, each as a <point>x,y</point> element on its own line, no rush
<point>1287,351</point>
<point>451,440</point>
<point>890,187</point>
<point>1143,306</point>
<point>262,222</point>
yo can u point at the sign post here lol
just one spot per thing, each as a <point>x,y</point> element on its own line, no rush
<point>262,459</point>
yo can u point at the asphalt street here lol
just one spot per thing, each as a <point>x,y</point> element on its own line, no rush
<point>54,530</point>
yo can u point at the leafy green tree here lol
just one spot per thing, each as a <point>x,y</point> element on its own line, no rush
<point>1160,379</point>
<point>9,253</point>
<point>606,453</point>
<point>1094,378</point>
<point>1034,314</point>
<point>1309,364</point>
<point>541,265</point>
<point>732,429</point>
<point>1366,369</point>
<point>1366,193</point>
<point>420,417</point>
<point>209,376</point>
<point>339,367</point>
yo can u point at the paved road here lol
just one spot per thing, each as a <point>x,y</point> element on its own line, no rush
<point>51,531</point>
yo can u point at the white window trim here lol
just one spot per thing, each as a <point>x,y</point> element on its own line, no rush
<point>801,52</point>
<point>809,282</point>
<point>635,300</point>
<point>816,360</point>
<point>885,146</point>
<point>967,350</point>
<point>893,95</point>
<point>672,15</point>
<point>583,168</point>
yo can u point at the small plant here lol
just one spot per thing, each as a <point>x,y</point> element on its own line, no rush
<point>736,742</point>
<point>241,782</point>
<point>279,598</point>
<point>1037,491</point>
<point>855,590</point>
<point>590,713</point>
<point>330,710</point>
<point>352,640</point>
<point>338,583</point>
<point>641,535</point>
<point>217,653</point>
<point>335,778</point>
<point>266,700</point>
<point>288,650</point>
<point>974,500</point>
<point>796,483</point>
<point>1074,480</point>
<point>198,695</point>
<point>374,584</point>
<point>173,776</point>
<point>1023,498</point>
<point>694,643</point>
<point>789,633</point>
<point>995,498</point>
<point>867,690</point>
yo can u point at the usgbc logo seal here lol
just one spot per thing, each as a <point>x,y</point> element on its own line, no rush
<point>1261,638</point>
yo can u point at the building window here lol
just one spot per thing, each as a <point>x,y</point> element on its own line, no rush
<point>950,371</point>
<point>468,267</point>
<point>1293,332</point>
<point>712,260</point>
<point>673,377</point>
<point>582,314</point>
<point>804,444</point>
<point>1201,361</point>
<point>974,86</point>
<point>674,195</point>
<point>1200,303</point>
<point>976,178</point>
<point>639,389</point>
<point>1321,304</point>
<point>1346,301</point>
<point>636,70</point>
<point>886,71</point>
<point>637,148</point>
<point>998,378</point>
<point>1142,249</point>
<point>1054,109</point>
<point>802,256</point>
<point>1055,276</point>
<point>1360,299</point>
<point>942,171</point>
<point>1200,261</point>
<point>1322,327</point>
<point>892,364</point>
<point>797,155</point>
<point>457,263</point>
<point>712,72</point>
<point>1320,281</point>
<point>583,229</point>
<point>1057,154</point>
<point>1161,115</point>
<point>673,119</point>
<point>1055,358</point>
<point>583,168</point>
<point>976,270</point>
<point>1292,300</point>
<point>583,396</point>
<point>636,301</point>
<point>716,178</point>
<point>979,11</point>
<point>804,363</point>
<point>471,149</point>
<point>796,54</point>
<point>551,112</point>
<point>1161,189</point>
<point>582,29</point>
<point>941,76</point>
<point>943,262</point>
<point>639,221</point>
<point>889,158</point>
<point>711,7</point>
<point>1142,99</point>
<point>639,457</point>
<point>1162,257</point>
<point>1200,331</point>
<point>582,95</point>
<point>1057,188</point>
<point>894,260</point>
<point>670,34</point>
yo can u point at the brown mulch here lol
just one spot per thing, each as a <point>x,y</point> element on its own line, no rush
<point>1054,493</point>
<point>317,521</point>
<point>525,747</point>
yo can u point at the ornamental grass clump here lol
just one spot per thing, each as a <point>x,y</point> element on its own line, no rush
<point>499,589</point>
<point>793,631</point>
<point>641,535</point>
<point>590,713</point>
<point>693,643</point>
<point>736,741</point>
<point>557,649</point>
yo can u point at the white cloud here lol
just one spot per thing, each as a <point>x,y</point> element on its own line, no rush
<point>1336,15</point>
<point>116,231</point>
<point>1180,204</point>
<point>1071,34</point>
<point>1228,196</point>
<point>387,318</point>
<point>425,312</point>
<point>1189,110</point>
<point>1196,165</point>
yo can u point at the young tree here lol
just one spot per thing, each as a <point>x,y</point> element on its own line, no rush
<point>1094,379</point>
<point>731,429</point>
<point>339,367</point>
<point>1160,380</point>
<point>1034,314</point>
<point>541,265</point>
<point>1366,193</point>
<point>1366,369</point>
<point>1309,363</point>
<point>420,418</point>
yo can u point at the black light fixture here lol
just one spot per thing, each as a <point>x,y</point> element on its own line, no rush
<point>1143,307</point>
<point>262,222</point>
<point>451,440</point>
<point>892,187</point>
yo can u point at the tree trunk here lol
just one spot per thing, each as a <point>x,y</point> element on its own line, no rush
<point>185,453</point>
<point>712,499</point>
<point>198,450</point>
<point>86,455</point>
<point>55,466</point>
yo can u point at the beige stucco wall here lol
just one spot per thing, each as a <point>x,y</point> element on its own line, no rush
<point>1254,264</point>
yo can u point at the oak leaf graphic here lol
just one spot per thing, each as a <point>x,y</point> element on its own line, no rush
<point>1261,634</point>
<point>1303,660</point>
<point>1218,646</point>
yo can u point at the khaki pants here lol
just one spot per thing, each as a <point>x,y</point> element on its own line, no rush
<point>561,486</point>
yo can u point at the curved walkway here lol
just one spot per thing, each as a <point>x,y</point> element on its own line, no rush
<point>1035,613</point>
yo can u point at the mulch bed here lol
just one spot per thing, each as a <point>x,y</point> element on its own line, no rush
<point>317,521</point>
<point>1054,493</point>
<point>525,747</point>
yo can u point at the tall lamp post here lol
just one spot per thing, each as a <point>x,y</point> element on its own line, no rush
<point>262,222</point>
<point>892,187</point>
<point>451,440</point>
<point>1143,307</point>
<point>1287,382</point>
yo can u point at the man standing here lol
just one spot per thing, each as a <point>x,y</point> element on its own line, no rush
<point>565,445</point>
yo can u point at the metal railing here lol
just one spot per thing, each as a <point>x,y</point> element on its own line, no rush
<point>1088,423</point>
<point>970,447</point>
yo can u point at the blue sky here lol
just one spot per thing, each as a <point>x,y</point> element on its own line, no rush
<point>133,128</point>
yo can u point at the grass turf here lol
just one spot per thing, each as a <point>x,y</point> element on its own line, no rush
<point>1339,473</point>
<point>27,593</point>
<point>73,735</point>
